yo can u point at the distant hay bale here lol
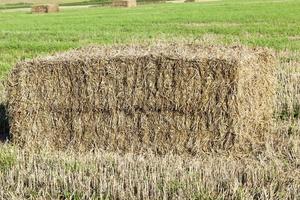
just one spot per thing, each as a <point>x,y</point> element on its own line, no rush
<point>200,1</point>
<point>39,9</point>
<point>52,8</point>
<point>124,3</point>
<point>47,8</point>
<point>180,98</point>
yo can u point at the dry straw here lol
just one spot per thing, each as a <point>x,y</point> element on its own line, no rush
<point>180,98</point>
<point>124,3</point>
<point>47,8</point>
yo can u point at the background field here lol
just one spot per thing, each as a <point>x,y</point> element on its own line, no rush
<point>270,173</point>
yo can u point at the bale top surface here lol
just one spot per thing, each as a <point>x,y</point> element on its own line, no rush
<point>172,51</point>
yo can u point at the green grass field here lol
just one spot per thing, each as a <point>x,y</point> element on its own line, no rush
<point>259,23</point>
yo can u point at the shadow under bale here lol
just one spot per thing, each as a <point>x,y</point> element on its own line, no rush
<point>4,124</point>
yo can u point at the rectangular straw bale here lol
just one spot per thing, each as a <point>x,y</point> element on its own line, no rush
<point>39,9</point>
<point>124,3</point>
<point>52,8</point>
<point>46,8</point>
<point>165,98</point>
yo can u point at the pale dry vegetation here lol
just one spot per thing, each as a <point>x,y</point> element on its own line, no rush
<point>268,173</point>
<point>271,174</point>
<point>168,97</point>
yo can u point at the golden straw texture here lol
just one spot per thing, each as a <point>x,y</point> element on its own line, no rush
<point>124,3</point>
<point>47,8</point>
<point>179,98</point>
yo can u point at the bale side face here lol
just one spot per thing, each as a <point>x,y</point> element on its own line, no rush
<point>136,99</point>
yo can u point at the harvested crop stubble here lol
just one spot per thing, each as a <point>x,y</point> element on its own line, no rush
<point>288,93</point>
<point>102,175</point>
<point>179,98</point>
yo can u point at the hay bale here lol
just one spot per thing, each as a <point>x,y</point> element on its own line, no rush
<point>47,8</point>
<point>124,3</point>
<point>52,8</point>
<point>165,98</point>
<point>39,9</point>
